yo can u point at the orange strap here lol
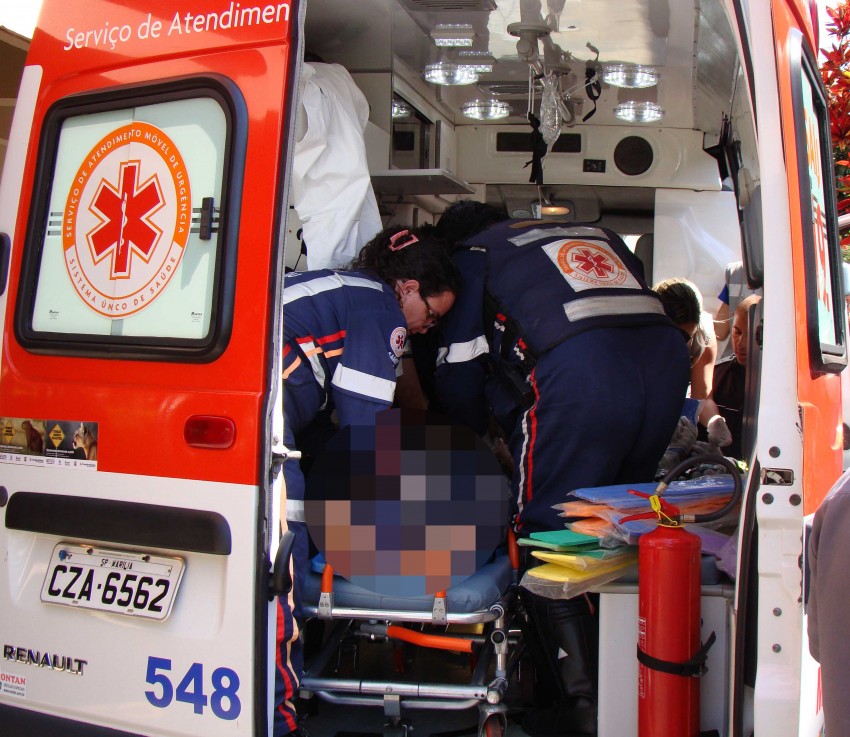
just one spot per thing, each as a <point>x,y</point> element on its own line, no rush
<point>513,550</point>
<point>328,579</point>
<point>439,642</point>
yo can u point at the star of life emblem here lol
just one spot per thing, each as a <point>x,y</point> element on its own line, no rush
<point>589,264</point>
<point>398,338</point>
<point>127,220</point>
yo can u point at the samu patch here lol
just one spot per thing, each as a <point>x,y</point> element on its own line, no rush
<point>589,265</point>
<point>398,340</point>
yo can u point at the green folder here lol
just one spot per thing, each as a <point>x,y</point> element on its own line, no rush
<point>560,540</point>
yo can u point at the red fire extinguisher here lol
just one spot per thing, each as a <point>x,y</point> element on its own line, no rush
<point>670,656</point>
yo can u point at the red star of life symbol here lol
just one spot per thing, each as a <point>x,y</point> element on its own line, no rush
<point>125,214</point>
<point>590,262</point>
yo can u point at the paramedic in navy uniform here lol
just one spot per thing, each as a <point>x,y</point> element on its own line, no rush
<point>556,333</point>
<point>344,332</point>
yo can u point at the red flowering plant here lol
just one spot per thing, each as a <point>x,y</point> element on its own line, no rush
<point>835,70</point>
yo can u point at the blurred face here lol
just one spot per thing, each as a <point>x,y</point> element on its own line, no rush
<point>695,351</point>
<point>422,313</point>
<point>739,337</point>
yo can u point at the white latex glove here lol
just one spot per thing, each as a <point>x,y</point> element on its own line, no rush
<point>718,432</point>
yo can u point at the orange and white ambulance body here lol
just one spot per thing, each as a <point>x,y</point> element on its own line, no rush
<point>145,228</point>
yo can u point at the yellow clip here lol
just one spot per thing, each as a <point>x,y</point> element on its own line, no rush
<point>655,503</point>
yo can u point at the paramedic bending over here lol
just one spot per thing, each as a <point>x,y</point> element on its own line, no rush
<point>557,335</point>
<point>344,332</point>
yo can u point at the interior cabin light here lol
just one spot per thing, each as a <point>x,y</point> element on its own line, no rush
<point>401,109</point>
<point>639,112</point>
<point>631,76</point>
<point>447,73</point>
<point>477,67</point>
<point>479,61</point>
<point>486,109</point>
<point>452,35</point>
<point>546,210</point>
<point>554,210</point>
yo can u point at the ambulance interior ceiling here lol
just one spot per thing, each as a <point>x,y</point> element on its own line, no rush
<point>690,43</point>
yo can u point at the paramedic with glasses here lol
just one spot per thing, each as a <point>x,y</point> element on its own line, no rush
<point>344,332</point>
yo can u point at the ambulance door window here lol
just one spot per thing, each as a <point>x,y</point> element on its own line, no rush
<point>134,257</point>
<point>824,298</point>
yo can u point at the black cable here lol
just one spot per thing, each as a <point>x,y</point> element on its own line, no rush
<point>692,462</point>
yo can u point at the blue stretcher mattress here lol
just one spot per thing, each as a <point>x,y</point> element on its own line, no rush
<point>478,592</point>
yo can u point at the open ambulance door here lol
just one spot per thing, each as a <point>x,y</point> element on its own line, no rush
<point>797,452</point>
<point>139,493</point>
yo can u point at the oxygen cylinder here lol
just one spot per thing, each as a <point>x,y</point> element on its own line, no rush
<point>668,632</point>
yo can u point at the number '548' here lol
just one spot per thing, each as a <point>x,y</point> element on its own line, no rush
<point>192,688</point>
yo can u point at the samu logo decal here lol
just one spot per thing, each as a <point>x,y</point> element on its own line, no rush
<point>127,220</point>
<point>589,265</point>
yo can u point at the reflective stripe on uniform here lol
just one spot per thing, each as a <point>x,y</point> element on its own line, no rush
<point>325,284</point>
<point>362,383</point>
<point>460,352</point>
<point>292,366</point>
<point>295,510</point>
<point>528,431</point>
<point>312,353</point>
<point>638,304</point>
<point>536,234</point>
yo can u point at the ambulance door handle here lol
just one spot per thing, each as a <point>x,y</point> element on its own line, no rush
<point>281,454</point>
<point>207,215</point>
<point>281,579</point>
<point>5,253</point>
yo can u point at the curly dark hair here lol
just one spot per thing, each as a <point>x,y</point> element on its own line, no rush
<point>466,218</point>
<point>425,259</point>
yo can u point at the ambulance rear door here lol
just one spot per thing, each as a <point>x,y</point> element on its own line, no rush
<point>138,489</point>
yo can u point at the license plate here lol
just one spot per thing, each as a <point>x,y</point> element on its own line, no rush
<point>137,584</point>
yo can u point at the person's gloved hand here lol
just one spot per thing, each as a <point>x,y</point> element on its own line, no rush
<point>684,435</point>
<point>703,448</point>
<point>718,432</point>
<point>680,445</point>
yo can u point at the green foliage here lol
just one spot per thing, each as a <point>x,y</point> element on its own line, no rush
<point>835,71</point>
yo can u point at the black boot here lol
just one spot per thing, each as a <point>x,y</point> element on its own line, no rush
<point>564,637</point>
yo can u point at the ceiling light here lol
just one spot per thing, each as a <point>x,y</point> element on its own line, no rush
<point>446,73</point>
<point>561,212</point>
<point>478,68</point>
<point>452,35</point>
<point>639,112</point>
<point>486,109</point>
<point>630,75</point>
<point>401,109</point>
<point>479,61</point>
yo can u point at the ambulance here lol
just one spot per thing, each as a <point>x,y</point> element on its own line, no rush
<point>149,210</point>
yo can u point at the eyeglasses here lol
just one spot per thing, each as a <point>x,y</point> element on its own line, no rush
<point>433,317</point>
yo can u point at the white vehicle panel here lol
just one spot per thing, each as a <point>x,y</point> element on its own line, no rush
<point>189,672</point>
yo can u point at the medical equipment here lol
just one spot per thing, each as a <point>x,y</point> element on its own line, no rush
<point>473,617</point>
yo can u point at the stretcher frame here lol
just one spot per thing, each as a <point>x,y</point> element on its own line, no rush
<point>491,673</point>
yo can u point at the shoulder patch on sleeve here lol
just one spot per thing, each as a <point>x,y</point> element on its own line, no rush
<point>397,340</point>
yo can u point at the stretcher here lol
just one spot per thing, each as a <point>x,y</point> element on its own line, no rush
<point>472,619</point>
